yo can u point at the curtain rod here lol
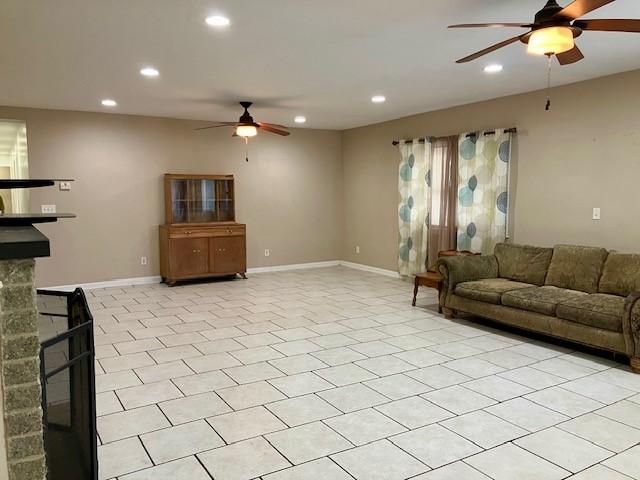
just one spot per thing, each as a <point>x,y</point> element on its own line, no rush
<point>490,132</point>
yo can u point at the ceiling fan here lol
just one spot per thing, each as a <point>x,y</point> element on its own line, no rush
<point>246,127</point>
<point>554,29</point>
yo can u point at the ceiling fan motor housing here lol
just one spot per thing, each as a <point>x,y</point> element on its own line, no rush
<point>246,118</point>
<point>546,18</point>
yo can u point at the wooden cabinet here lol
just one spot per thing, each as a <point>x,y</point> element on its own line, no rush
<point>201,238</point>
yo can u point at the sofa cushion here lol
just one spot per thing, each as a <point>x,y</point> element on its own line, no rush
<point>523,263</point>
<point>596,310</point>
<point>540,299</point>
<point>488,290</point>
<point>621,274</point>
<point>576,268</point>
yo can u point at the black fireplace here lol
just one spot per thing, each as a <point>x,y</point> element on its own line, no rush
<point>68,385</point>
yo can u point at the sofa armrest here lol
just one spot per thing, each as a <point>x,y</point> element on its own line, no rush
<point>631,324</point>
<point>455,270</point>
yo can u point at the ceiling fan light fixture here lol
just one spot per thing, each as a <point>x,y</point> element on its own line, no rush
<point>551,41</point>
<point>246,131</point>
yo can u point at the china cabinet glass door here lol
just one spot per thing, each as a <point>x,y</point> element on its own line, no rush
<point>202,200</point>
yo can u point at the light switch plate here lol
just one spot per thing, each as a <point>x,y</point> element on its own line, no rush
<point>48,208</point>
<point>596,214</point>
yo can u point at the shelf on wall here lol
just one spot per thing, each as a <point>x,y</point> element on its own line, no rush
<point>23,219</point>
<point>31,182</point>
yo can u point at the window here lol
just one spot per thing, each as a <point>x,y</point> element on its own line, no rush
<point>14,165</point>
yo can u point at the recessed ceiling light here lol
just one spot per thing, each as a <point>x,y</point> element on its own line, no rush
<point>300,119</point>
<point>493,68</point>
<point>217,21</point>
<point>149,72</point>
<point>378,99</point>
<point>107,102</point>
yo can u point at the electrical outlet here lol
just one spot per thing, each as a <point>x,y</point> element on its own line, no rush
<point>65,186</point>
<point>357,248</point>
<point>266,252</point>
<point>48,208</point>
<point>596,214</point>
<point>143,260</point>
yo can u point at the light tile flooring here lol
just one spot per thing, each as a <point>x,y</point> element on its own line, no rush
<point>331,374</point>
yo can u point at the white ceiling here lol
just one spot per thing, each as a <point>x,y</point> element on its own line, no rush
<point>322,59</point>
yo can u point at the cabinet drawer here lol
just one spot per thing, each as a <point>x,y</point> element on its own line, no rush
<point>188,232</point>
<point>230,231</point>
<point>204,232</point>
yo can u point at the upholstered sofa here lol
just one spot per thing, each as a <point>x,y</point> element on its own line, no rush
<point>584,294</point>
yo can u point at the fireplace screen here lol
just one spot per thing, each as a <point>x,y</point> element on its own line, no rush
<point>68,385</point>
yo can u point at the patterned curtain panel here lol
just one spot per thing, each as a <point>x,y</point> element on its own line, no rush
<point>415,192</point>
<point>483,171</point>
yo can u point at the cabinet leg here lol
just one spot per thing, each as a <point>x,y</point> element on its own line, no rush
<point>415,292</point>
<point>634,362</point>
<point>243,275</point>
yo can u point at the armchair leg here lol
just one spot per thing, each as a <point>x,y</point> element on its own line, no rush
<point>634,362</point>
<point>415,292</point>
<point>449,314</point>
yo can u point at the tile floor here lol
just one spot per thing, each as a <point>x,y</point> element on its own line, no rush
<point>331,374</point>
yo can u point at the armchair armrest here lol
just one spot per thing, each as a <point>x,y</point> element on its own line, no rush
<point>455,270</point>
<point>631,324</point>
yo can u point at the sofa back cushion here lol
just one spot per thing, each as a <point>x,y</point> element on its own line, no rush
<point>523,263</point>
<point>576,268</point>
<point>621,274</point>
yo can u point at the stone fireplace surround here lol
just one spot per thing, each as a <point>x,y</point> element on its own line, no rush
<point>21,441</point>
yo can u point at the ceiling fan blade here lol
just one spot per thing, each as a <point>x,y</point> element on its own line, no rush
<point>274,125</point>
<point>489,50</point>
<point>267,128</point>
<point>218,125</point>
<point>611,25</point>
<point>581,7</point>
<point>572,56</point>
<point>490,25</point>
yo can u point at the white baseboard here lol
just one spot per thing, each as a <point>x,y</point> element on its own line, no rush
<point>295,266</point>
<point>125,282</point>
<point>368,268</point>
<point>119,282</point>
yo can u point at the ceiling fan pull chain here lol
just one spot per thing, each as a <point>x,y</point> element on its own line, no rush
<point>246,151</point>
<point>548,106</point>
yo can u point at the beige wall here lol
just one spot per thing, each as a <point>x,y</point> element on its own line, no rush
<point>316,195</point>
<point>584,153</point>
<point>289,194</point>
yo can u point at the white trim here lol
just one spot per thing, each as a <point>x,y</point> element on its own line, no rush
<point>119,282</point>
<point>295,266</point>
<point>368,268</point>
<point>125,282</point>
